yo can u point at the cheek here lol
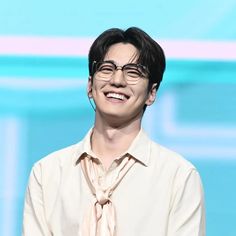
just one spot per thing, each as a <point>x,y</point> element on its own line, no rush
<point>97,87</point>
<point>142,90</point>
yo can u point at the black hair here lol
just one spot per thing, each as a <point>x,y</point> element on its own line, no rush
<point>150,52</point>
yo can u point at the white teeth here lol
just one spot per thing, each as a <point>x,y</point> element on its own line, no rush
<point>116,95</point>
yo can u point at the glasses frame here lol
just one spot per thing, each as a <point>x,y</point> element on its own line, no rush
<point>142,70</point>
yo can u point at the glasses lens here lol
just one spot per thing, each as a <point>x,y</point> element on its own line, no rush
<point>133,72</point>
<point>105,69</point>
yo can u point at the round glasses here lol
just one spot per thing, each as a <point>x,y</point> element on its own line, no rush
<point>132,72</point>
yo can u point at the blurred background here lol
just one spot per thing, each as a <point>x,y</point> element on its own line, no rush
<point>44,107</point>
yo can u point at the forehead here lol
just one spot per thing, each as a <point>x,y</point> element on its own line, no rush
<point>122,53</point>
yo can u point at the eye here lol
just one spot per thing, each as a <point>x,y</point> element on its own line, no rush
<point>133,71</point>
<point>106,68</point>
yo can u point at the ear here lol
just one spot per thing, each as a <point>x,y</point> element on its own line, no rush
<point>89,87</point>
<point>151,95</point>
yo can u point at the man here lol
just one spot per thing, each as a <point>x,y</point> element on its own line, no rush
<point>116,181</point>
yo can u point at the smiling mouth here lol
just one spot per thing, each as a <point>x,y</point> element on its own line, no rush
<point>118,96</point>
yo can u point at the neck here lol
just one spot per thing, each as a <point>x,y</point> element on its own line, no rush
<point>109,142</point>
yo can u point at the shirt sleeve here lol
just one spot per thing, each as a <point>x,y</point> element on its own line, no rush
<point>34,221</point>
<point>187,215</point>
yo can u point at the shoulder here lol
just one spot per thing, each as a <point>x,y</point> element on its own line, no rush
<point>57,160</point>
<point>156,154</point>
<point>169,160</point>
<point>173,168</point>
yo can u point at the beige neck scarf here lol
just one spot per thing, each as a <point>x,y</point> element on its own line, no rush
<point>100,219</point>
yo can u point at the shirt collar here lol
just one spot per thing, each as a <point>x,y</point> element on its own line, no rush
<point>139,149</point>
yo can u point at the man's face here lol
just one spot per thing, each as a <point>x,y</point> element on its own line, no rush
<point>116,99</point>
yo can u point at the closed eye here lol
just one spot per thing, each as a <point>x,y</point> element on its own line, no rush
<point>132,71</point>
<point>107,69</point>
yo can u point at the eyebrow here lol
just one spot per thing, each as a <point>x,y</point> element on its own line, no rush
<point>116,64</point>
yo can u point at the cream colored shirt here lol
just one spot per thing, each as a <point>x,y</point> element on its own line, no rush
<point>161,195</point>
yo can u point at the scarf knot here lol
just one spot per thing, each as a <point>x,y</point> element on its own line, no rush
<point>102,196</point>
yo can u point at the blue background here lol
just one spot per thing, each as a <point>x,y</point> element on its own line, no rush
<point>43,104</point>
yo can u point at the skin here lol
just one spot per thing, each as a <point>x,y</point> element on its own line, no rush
<point>117,122</point>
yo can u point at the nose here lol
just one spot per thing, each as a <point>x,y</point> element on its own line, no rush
<point>118,78</point>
